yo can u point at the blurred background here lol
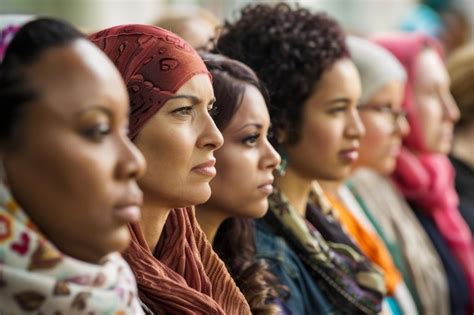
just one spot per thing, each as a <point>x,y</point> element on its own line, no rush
<point>451,19</point>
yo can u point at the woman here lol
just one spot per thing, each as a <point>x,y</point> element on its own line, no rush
<point>423,173</point>
<point>314,87</point>
<point>461,71</point>
<point>65,158</point>
<point>171,96</point>
<point>244,179</point>
<point>341,200</point>
<point>383,208</point>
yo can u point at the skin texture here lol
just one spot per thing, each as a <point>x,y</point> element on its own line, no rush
<point>384,131</point>
<point>179,137</point>
<point>244,166</point>
<point>70,164</point>
<point>330,126</point>
<point>436,109</point>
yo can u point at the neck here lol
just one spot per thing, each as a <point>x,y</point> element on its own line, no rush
<point>330,186</point>
<point>463,146</point>
<point>209,219</point>
<point>152,221</point>
<point>296,189</point>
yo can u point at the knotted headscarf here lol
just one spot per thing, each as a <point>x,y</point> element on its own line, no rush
<point>154,64</point>
<point>425,178</point>
<point>183,275</point>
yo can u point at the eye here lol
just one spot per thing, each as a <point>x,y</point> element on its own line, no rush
<point>97,133</point>
<point>337,109</point>
<point>212,110</point>
<point>183,111</point>
<point>270,134</point>
<point>384,109</point>
<point>251,140</point>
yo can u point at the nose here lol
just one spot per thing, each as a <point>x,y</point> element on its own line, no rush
<point>450,108</point>
<point>270,157</point>
<point>354,128</point>
<point>210,137</point>
<point>132,164</point>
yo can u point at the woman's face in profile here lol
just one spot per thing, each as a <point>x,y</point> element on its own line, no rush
<point>178,143</point>
<point>331,127</point>
<point>435,106</point>
<point>246,161</point>
<point>69,163</point>
<point>385,127</point>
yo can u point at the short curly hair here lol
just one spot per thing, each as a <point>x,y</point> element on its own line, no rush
<point>289,49</point>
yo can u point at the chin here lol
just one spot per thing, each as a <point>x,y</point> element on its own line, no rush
<point>197,196</point>
<point>445,148</point>
<point>342,175</point>
<point>260,210</point>
<point>117,242</point>
<point>387,168</point>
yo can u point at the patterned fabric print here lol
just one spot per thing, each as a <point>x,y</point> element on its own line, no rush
<point>154,64</point>
<point>349,281</point>
<point>35,277</point>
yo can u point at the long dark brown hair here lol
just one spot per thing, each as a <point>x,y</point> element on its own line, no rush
<point>234,241</point>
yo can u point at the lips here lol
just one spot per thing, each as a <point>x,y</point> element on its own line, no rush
<point>206,169</point>
<point>350,155</point>
<point>128,210</point>
<point>266,187</point>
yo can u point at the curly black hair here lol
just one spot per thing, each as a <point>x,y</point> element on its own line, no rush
<point>289,49</point>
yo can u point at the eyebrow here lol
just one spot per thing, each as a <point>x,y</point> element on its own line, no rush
<point>258,126</point>
<point>192,98</point>
<point>100,108</point>
<point>337,100</point>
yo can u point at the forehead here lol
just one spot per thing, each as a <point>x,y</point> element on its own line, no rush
<point>340,80</point>
<point>390,90</point>
<point>252,109</point>
<point>78,73</point>
<point>429,68</point>
<point>200,86</point>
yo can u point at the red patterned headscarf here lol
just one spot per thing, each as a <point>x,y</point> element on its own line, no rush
<point>427,179</point>
<point>154,64</point>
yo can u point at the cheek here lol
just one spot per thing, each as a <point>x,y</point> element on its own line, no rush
<point>66,182</point>
<point>168,153</point>
<point>377,133</point>
<point>429,111</point>
<point>430,120</point>
<point>321,140</point>
<point>235,169</point>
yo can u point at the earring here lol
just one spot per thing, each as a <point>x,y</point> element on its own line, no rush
<point>281,169</point>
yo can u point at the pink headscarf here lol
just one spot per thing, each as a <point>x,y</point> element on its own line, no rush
<point>425,178</point>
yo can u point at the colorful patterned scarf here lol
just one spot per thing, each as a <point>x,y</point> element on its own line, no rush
<point>351,283</point>
<point>36,278</point>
